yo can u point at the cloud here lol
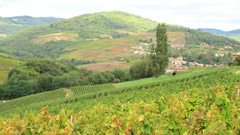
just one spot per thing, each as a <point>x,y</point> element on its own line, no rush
<point>222,14</point>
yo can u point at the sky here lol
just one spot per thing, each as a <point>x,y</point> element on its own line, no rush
<point>220,14</point>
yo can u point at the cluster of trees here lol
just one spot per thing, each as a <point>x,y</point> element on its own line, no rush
<point>146,40</point>
<point>155,63</point>
<point>206,57</point>
<point>141,69</point>
<point>44,75</point>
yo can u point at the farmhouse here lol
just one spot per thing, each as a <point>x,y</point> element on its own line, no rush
<point>205,46</point>
<point>177,61</point>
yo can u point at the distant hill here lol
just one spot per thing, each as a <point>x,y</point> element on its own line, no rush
<point>12,25</point>
<point>51,39</point>
<point>233,33</point>
<point>110,40</point>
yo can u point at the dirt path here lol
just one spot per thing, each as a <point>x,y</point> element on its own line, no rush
<point>69,93</point>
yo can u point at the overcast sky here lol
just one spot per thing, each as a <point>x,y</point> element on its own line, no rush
<point>221,14</point>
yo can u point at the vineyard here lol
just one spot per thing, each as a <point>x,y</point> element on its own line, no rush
<point>46,98</point>
<point>205,102</point>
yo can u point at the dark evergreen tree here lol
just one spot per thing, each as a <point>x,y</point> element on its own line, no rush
<point>159,52</point>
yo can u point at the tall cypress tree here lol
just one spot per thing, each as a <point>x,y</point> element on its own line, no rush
<point>159,52</point>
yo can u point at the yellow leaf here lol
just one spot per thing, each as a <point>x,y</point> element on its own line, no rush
<point>141,118</point>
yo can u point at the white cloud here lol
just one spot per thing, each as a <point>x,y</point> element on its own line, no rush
<point>222,14</point>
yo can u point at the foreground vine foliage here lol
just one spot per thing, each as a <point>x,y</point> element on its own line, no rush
<point>200,111</point>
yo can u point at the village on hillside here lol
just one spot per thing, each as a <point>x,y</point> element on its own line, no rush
<point>178,63</point>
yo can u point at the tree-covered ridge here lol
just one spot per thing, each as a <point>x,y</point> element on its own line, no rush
<point>105,22</point>
<point>12,25</point>
<point>96,24</point>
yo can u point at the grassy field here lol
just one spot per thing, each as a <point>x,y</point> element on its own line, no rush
<point>164,77</point>
<point>55,37</point>
<point>106,66</point>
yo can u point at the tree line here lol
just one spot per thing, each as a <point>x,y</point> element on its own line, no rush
<point>44,75</point>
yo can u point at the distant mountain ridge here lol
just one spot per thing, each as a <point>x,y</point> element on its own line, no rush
<point>12,25</point>
<point>232,33</point>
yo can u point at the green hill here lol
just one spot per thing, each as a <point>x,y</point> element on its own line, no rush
<point>12,25</point>
<point>50,40</point>
<point>112,40</point>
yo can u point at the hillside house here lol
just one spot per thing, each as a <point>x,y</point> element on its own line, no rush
<point>228,47</point>
<point>235,55</point>
<point>205,46</point>
<point>196,64</point>
<point>219,54</point>
<point>177,62</point>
